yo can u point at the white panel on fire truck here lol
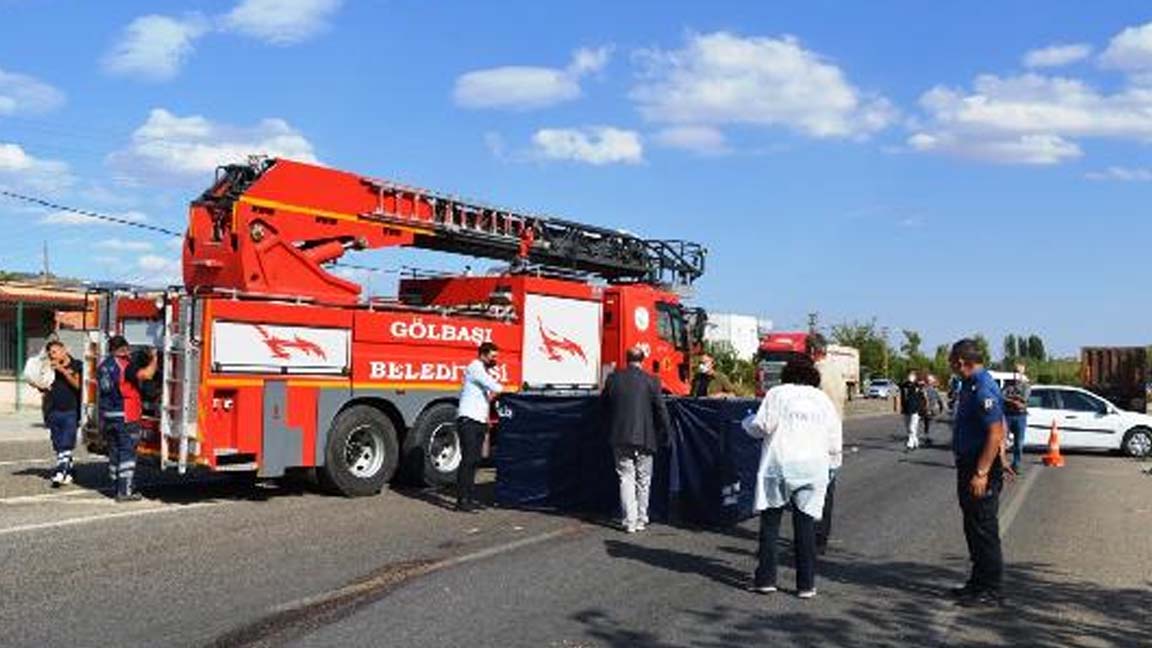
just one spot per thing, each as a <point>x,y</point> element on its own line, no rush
<point>561,342</point>
<point>143,332</point>
<point>270,348</point>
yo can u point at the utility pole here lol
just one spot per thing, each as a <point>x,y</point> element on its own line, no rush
<point>813,319</point>
<point>47,272</point>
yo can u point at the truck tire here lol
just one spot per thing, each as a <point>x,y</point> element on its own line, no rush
<point>362,452</point>
<point>1137,442</point>
<point>432,449</point>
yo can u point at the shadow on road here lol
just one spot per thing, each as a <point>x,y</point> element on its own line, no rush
<point>894,603</point>
<point>171,488</point>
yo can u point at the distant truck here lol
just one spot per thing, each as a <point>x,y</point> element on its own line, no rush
<point>776,349</point>
<point>1119,374</point>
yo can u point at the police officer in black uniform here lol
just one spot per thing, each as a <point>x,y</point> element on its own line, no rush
<point>977,443</point>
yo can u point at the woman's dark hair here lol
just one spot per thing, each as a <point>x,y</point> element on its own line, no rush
<point>800,371</point>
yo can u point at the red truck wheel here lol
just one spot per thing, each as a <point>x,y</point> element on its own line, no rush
<point>362,452</point>
<point>432,448</point>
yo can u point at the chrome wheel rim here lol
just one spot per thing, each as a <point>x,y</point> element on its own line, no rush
<point>364,452</point>
<point>444,448</point>
<point>1140,444</point>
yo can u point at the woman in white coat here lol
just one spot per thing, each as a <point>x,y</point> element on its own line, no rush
<point>802,444</point>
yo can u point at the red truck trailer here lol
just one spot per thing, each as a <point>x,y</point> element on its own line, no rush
<point>271,362</point>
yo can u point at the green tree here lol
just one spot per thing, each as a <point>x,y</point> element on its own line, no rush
<point>911,346</point>
<point>1011,350</point>
<point>866,337</point>
<point>982,344</point>
<point>1036,349</point>
<point>940,365</point>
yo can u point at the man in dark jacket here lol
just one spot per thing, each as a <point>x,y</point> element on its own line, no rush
<point>638,424</point>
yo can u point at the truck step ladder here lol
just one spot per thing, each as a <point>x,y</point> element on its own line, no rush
<point>178,393</point>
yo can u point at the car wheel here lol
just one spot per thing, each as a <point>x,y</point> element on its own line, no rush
<point>1138,442</point>
<point>362,452</point>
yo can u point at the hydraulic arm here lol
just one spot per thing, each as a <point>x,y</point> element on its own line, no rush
<point>271,226</point>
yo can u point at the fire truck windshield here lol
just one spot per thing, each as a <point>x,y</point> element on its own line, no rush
<point>671,326</point>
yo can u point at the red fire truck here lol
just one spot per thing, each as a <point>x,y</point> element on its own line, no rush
<point>272,362</point>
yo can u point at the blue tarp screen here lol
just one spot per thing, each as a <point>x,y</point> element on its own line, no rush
<point>552,452</point>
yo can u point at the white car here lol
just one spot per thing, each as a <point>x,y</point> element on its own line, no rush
<point>1086,421</point>
<point>881,388</point>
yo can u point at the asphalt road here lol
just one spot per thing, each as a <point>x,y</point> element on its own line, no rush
<point>220,562</point>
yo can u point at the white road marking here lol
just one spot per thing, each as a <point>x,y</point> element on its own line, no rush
<point>25,499</point>
<point>948,613</point>
<point>167,508</point>
<point>20,462</point>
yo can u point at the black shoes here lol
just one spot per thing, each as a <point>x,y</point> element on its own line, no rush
<point>122,498</point>
<point>977,597</point>
<point>470,506</point>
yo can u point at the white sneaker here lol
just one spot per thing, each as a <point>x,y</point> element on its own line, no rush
<point>807,594</point>
<point>643,526</point>
<point>67,479</point>
<point>57,479</point>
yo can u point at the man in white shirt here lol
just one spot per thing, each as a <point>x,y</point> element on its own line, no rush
<point>833,385</point>
<point>476,395</point>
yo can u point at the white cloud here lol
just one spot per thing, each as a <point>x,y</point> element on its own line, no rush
<point>1121,174</point>
<point>21,170</point>
<point>72,218</point>
<point>597,145</point>
<point>168,145</point>
<point>1029,118</point>
<point>154,47</point>
<point>122,245</point>
<point>704,140</point>
<point>519,87</point>
<point>1131,49</point>
<point>282,22</point>
<point>1057,55</point>
<point>21,94</point>
<point>156,270</point>
<point>1022,149</point>
<point>722,78</point>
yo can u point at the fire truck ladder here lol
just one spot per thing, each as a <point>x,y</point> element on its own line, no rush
<point>178,394</point>
<point>478,229</point>
<point>475,228</point>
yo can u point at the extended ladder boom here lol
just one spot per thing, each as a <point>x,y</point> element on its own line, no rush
<point>268,227</point>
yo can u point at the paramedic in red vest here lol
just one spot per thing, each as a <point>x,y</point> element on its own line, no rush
<point>121,408</point>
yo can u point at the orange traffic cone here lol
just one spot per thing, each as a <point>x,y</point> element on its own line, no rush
<point>1054,458</point>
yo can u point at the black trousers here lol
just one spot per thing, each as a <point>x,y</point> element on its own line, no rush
<point>824,525</point>
<point>982,527</point>
<point>471,434</point>
<point>804,533</point>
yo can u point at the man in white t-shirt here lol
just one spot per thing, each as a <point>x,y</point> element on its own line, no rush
<point>833,385</point>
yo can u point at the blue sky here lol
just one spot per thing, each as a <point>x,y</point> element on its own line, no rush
<point>943,168</point>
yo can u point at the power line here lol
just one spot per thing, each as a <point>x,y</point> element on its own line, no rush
<point>43,202</point>
<point>90,214</point>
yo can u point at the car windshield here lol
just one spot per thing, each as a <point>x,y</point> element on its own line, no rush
<point>881,383</point>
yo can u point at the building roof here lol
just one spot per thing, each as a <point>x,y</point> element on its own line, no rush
<point>49,296</point>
